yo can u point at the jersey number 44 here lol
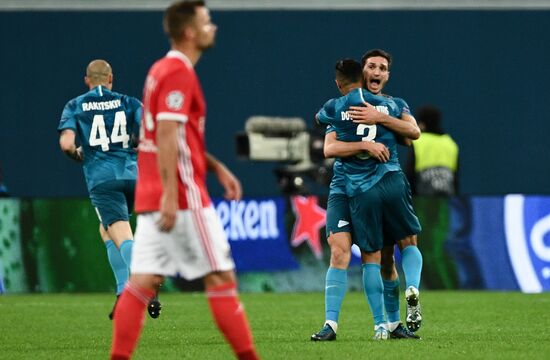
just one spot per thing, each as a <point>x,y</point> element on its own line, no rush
<point>98,134</point>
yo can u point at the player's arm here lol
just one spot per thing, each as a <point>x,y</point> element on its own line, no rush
<point>405,115</point>
<point>68,145</point>
<point>230,183</point>
<point>67,132</point>
<point>172,111</point>
<point>335,148</point>
<point>405,127</point>
<point>402,139</point>
<point>136,124</point>
<point>167,157</point>
<point>332,147</point>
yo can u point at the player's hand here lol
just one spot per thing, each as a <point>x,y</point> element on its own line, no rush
<point>168,212</point>
<point>230,183</point>
<point>378,151</point>
<point>364,114</point>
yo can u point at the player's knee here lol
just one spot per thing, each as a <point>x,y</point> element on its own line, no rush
<point>103,233</point>
<point>340,249</point>
<point>388,270</point>
<point>120,231</point>
<point>371,257</point>
<point>387,254</point>
<point>219,278</point>
<point>151,282</point>
<point>157,281</point>
<point>340,257</point>
<point>407,241</point>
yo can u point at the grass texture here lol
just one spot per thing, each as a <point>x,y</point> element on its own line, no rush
<point>457,325</point>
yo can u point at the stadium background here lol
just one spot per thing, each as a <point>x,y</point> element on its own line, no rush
<point>484,67</point>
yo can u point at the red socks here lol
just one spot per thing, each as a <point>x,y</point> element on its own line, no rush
<point>231,319</point>
<point>128,320</point>
<point>224,305</point>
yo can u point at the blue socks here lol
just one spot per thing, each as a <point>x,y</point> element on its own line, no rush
<point>391,299</point>
<point>374,291</point>
<point>126,251</point>
<point>120,269</point>
<point>411,261</point>
<point>336,285</point>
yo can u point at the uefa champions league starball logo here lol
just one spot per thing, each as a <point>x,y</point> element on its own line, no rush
<point>527,225</point>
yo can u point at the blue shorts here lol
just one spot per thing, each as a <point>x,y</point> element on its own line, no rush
<point>384,214</point>
<point>338,214</point>
<point>113,200</point>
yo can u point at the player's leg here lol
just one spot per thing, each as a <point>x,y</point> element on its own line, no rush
<point>121,193</point>
<point>121,233</point>
<point>374,292</point>
<point>336,280</point>
<point>336,284</point>
<point>411,260</point>
<point>390,279</point>
<point>229,314</point>
<point>106,202</point>
<point>111,201</point>
<point>151,260</point>
<point>367,233</point>
<point>204,251</point>
<point>120,270</point>
<point>129,313</point>
<point>403,225</point>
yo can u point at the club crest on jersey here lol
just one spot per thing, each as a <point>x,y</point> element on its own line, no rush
<point>527,225</point>
<point>174,100</point>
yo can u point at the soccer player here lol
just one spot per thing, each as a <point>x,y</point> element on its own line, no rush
<point>338,227</point>
<point>339,218</point>
<point>376,71</point>
<point>178,230</point>
<point>105,122</point>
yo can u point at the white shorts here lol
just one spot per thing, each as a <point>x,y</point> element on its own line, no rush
<point>195,247</point>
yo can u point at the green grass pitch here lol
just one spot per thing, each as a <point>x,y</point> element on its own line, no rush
<point>457,325</point>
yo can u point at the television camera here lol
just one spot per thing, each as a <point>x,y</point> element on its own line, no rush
<point>288,141</point>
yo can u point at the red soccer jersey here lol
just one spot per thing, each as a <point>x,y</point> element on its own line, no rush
<point>172,92</point>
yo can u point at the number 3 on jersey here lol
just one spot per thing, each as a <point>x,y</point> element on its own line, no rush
<point>370,137</point>
<point>98,134</point>
<point>361,131</point>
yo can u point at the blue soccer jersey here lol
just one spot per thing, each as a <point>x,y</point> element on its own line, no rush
<point>401,104</point>
<point>104,122</point>
<point>361,171</point>
<point>338,181</point>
